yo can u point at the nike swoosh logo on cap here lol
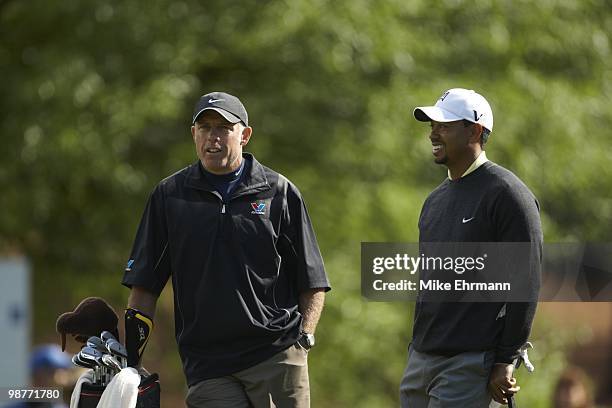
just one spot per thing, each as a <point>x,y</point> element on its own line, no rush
<point>215,100</point>
<point>464,220</point>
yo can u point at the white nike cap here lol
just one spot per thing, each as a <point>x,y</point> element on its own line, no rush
<point>458,104</point>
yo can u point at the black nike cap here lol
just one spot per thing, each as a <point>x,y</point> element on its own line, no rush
<point>225,104</point>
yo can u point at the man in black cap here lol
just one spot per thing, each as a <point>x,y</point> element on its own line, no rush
<point>247,273</point>
<point>462,353</point>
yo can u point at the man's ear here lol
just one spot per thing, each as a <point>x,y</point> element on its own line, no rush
<point>193,132</point>
<point>476,132</point>
<point>246,135</point>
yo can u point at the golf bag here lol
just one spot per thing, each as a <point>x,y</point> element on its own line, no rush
<point>93,323</point>
<point>148,393</point>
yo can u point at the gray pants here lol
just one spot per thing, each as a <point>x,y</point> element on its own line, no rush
<point>281,381</point>
<point>434,381</point>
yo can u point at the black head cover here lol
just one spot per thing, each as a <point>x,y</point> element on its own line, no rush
<point>92,316</point>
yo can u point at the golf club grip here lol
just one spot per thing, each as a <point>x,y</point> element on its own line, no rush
<point>511,402</point>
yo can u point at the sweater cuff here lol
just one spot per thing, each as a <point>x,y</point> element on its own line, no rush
<point>506,357</point>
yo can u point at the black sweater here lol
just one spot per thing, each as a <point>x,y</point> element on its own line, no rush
<point>503,210</point>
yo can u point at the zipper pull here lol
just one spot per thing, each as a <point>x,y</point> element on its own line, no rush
<point>223,209</point>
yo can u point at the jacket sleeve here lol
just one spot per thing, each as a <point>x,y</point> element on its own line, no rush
<point>517,219</point>
<point>149,262</point>
<point>300,235</point>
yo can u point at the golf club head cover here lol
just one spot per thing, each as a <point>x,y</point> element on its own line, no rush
<point>138,328</point>
<point>92,316</point>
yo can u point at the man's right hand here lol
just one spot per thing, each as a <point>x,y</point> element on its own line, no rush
<point>138,328</point>
<point>138,323</point>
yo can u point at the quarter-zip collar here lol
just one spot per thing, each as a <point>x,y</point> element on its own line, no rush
<point>253,181</point>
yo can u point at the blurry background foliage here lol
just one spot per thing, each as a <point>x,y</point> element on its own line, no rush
<point>96,106</point>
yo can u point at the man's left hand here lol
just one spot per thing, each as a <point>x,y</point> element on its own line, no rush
<point>501,382</point>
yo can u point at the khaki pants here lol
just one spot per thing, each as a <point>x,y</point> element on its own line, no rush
<point>279,382</point>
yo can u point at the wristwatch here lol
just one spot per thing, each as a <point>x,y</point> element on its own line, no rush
<point>307,340</point>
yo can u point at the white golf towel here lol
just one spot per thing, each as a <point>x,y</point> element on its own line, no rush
<point>122,391</point>
<point>87,377</point>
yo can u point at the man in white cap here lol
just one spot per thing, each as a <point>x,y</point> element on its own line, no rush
<point>461,353</point>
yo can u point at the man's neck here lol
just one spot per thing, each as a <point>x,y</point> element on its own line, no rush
<point>455,173</point>
<point>458,171</point>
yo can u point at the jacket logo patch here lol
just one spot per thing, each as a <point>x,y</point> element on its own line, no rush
<point>258,208</point>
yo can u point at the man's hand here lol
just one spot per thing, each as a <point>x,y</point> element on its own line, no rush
<point>138,323</point>
<point>501,383</point>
